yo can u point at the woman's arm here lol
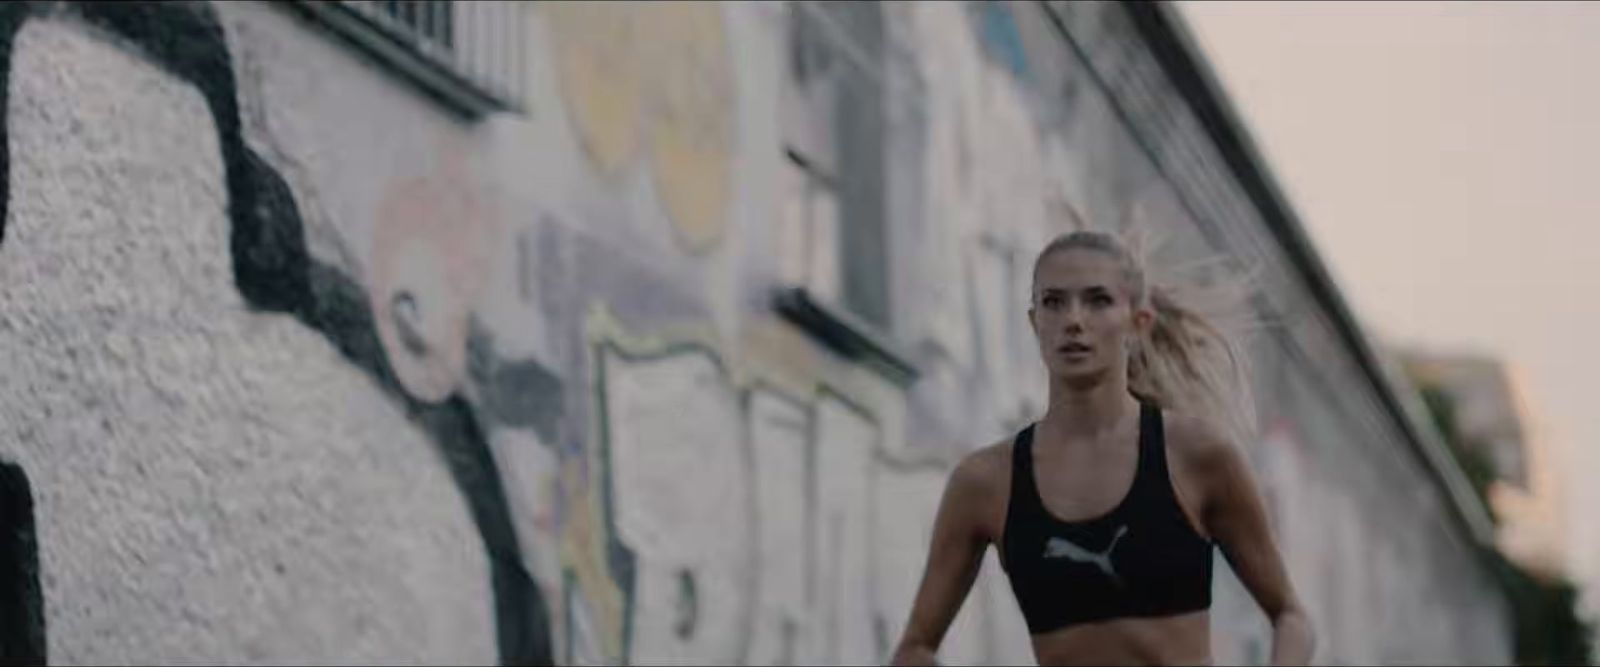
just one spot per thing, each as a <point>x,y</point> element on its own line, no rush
<point>953,560</point>
<point>1237,520</point>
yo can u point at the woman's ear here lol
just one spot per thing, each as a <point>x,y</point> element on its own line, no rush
<point>1143,319</point>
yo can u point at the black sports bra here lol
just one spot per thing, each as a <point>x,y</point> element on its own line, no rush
<point>1140,559</point>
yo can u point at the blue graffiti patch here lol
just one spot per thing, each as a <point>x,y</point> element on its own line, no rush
<point>1001,38</point>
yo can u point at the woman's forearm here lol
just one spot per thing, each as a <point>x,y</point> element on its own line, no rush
<point>1292,639</point>
<point>913,655</point>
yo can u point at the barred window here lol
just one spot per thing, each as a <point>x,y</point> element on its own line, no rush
<point>467,54</point>
<point>428,23</point>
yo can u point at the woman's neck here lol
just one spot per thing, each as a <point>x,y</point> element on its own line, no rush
<point>1081,408</point>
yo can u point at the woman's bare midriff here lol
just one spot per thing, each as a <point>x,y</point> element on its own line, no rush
<point>1184,639</point>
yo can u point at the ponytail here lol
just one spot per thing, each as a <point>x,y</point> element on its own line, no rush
<point>1184,362</point>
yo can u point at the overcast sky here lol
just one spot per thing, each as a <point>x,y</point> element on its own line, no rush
<point>1443,158</point>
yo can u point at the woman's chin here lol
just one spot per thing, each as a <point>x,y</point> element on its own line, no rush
<point>1079,374</point>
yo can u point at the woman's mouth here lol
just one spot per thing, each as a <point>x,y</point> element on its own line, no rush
<point>1074,349</point>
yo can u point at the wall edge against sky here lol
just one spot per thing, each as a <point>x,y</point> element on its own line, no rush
<point>1176,50</point>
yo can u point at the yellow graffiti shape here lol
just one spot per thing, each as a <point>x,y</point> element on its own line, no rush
<point>583,554</point>
<point>596,48</point>
<point>691,96</point>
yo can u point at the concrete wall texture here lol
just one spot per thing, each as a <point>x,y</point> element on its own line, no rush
<point>301,366</point>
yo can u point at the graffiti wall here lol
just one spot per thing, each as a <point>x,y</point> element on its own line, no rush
<point>301,365</point>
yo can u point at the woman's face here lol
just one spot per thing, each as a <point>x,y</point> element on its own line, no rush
<point>1082,313</point>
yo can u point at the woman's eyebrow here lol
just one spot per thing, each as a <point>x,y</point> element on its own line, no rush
<point>1091,289</point>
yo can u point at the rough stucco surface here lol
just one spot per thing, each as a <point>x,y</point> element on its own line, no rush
<point>216,484</point>
<point>536,402</point>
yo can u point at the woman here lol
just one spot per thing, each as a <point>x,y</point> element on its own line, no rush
<point>1106,509</point>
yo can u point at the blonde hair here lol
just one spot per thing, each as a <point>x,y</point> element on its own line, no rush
<point>1191,358</point>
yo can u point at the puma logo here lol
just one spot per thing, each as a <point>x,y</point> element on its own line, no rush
<point>1058,547</point>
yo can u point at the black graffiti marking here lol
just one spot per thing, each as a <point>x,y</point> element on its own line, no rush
<point>688,606</point>
<point>880,634</point>
<point>21,605</point>
<point>515,393</point>
<point>525,278</point>
<point>12,15</point>
<point>274,272</point>
<point>791,635</point>
<point>408,322</point>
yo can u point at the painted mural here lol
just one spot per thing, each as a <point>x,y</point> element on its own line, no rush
<point>301,367</point>
<point>784,554</point>
<point>653,77</point>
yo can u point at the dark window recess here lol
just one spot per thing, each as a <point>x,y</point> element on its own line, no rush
<point>836,65</point>
<point>21,603</point>
<point>845,334</point>
<point>835,128</point>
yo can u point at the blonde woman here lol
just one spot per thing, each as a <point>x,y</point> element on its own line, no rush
<point>1106,510</point>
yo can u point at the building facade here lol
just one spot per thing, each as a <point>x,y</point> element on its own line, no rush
<point>622,332</point>
<point>1489,414</point>
<point>1493,415</point>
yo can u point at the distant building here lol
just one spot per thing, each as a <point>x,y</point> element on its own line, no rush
<point>1494,415</point>
<point>1486,408</point>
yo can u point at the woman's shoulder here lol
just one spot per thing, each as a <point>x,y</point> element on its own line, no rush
<point>1197,442</point>
<point>1189,429</point>
<point>986,469</point>
<point>981,484</point>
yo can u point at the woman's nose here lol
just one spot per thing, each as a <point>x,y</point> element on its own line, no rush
<point>1072,319</point>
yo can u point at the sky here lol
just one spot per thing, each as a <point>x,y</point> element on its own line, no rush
<point>1442,157</point>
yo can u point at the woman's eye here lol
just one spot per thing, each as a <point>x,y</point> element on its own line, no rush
<point>1100,300</point>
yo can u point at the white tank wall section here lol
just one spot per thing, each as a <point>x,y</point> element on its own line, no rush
<point>303,366</point>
